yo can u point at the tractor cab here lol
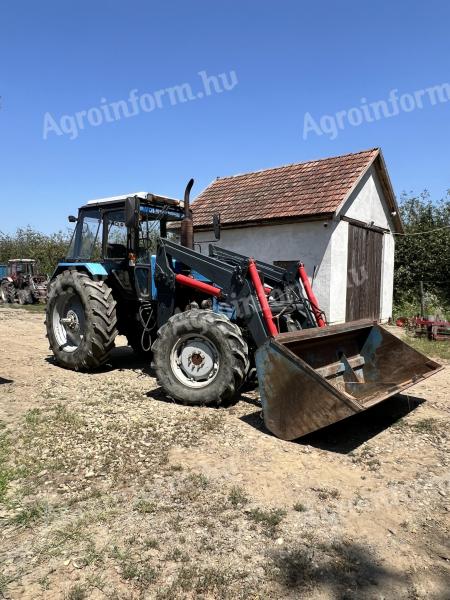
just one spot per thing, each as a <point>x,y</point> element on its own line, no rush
<point>122,228</point>
<point>117,237</point>
<point>23,267</point>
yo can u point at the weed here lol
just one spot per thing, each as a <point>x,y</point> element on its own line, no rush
<point>198,479</point>
<point>92,555</point>
<point>193,581</point>
<point>176,468</point>
<point>129,570</point>
<point>72,532</point>
<point>33,417</point>
<point>66,417</point>
<point>299,507</point>
<point>428,425</point>
<point>142,574</point>
<point>76,592</point>
<point>151,543</point>
<point>5,473</point>
<point>327,493</point>
<point>237,496</point>
<point>178,555</point>
<point>295,566</point>
<point>145,507</point>
<point>44,582</point>
<point>30,514</point>
<point>213,422</point>
<point>269,519</point>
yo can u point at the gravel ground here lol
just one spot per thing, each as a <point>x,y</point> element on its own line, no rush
<point>107,490</point>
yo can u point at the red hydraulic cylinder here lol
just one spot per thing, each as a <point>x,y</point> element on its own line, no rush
<point>259,288</point>
<point>201,286</point>
<point>310,295</point>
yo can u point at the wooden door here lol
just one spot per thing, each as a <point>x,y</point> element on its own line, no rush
<point>365,249</point>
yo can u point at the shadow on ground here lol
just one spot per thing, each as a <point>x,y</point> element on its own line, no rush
<point>344,569</point>
<point>2,380</point>
<point>122,358</point>
<point>348,434</point>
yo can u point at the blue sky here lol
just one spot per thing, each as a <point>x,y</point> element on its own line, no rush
<point>289,58</point>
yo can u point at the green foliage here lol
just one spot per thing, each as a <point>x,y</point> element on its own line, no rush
<point>423,257</point>
<point>47,249</point>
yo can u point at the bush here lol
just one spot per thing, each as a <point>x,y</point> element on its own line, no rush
<point>46,249</point>
<point>423,257</point>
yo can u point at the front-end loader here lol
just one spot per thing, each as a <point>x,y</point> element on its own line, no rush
<point>211,321</point>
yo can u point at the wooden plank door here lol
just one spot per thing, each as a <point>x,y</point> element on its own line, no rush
<point>365,249</point>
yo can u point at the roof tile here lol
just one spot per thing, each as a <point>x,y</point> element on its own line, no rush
<point>297,190</point>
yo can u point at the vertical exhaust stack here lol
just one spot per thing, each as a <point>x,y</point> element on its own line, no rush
<point>187,224</point>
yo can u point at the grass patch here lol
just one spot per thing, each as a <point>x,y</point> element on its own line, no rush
<point>76,592</point>
<point>269,519</point>
<point>428,425</point>
<point>145,507</point>
<point>439,349</point>
<point>237,496</point>
<point>33,417</point>
<point>141,574</point>
<point>327,493</point>
<point>5,472</point>
<point>30,514</point>
<point>209,582</point>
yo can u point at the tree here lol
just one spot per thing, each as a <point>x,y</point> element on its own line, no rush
<point>47,249</point>
<point>424,253</point>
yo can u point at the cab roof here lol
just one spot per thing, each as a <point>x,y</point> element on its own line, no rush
<point>145,196</point>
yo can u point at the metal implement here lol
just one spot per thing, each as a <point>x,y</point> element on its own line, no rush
<point>313,378</point>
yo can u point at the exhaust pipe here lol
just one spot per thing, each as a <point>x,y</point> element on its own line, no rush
<point>187,224</point>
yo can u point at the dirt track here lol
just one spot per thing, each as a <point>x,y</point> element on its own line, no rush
<point>113,492</point>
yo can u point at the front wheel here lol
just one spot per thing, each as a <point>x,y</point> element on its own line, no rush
<point>200,358</point>
<point>81,320</point>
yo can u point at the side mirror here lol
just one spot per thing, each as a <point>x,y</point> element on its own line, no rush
<point>72,219</point>
<point>132,212</point>
<point>216,226</point>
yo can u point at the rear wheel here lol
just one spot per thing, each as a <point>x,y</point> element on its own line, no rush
<point>200,358</point>
<point>25,297</point>
<point>5,292</point>
<point>81,320</point>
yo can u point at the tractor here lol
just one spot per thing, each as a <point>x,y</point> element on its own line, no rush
<point>210,322</point>
<point>21,283</point>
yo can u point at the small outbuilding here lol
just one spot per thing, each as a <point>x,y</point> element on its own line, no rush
<point>337,215</point>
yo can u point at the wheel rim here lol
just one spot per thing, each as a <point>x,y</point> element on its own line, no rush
<point>194,361</point>
<point>69,322</point>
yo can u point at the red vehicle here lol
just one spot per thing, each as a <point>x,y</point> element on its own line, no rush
<point>22,284</point>
<point>433,328</point>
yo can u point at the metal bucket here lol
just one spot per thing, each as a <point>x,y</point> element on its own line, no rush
<point>315,377</point>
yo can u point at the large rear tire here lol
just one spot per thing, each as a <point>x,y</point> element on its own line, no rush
<point>5,292</point>
<point>200,358</point>
<point>81,321</point>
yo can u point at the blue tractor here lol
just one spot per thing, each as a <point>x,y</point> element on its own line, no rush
<point>209,322</point>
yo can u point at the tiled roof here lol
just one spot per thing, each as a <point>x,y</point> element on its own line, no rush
<point>299,190</point>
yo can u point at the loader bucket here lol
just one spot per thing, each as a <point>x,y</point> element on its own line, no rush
<point>311,378</point>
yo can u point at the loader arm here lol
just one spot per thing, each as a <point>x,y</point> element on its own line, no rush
<point>232,280</point>
<point>273,275</point>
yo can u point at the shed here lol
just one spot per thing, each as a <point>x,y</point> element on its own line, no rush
<point>337,215</point>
